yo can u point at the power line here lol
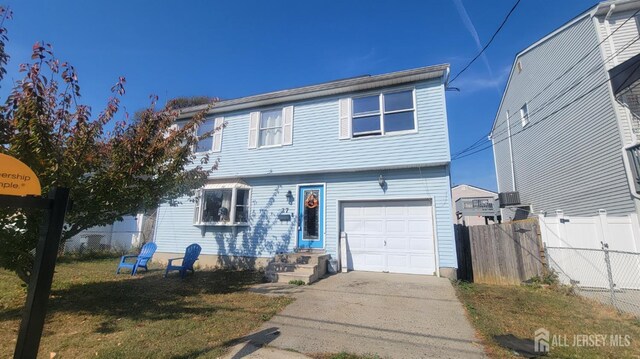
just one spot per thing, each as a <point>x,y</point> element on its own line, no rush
<point>488,43</point>
<point>597,47</point>
<point>568,88</point>
<point>531,125</point>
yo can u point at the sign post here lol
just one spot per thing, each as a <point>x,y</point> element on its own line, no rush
<point>42,276</point>
<point>20,188</point>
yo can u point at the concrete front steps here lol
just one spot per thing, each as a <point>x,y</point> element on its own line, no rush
<point>305,266</point>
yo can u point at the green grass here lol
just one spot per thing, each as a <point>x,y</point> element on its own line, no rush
<point>521,310</point>
<point>297,282</point>
<point>95,313</point>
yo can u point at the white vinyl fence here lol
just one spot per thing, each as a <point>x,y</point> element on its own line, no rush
<point>119,236</point>
<point>599,256</point>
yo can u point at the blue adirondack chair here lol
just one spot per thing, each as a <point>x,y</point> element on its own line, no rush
<point>140,260</point>
<point>190,257</point>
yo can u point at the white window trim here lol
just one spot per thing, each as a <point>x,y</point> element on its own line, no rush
<point>281,127</point>
<point>196,128</point>
<point>232,210</point>
<point>381,113</point>
<point>524,120</point>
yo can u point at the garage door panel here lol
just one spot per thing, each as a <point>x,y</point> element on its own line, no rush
<point>405,226</point>
<point>396,226</point>
<point>372,212</point>
<point>418,211</point>
<point>356,242</point>
<point>419,244</point>
<point>419,226</point>
<point>351,212</point>
<point>398,244</point>
<point>373,226</point>
<point>376,243</point>
<point>354,226</point>
<point>396,211</point>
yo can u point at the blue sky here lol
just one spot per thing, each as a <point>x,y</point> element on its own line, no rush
<point>237,48</point>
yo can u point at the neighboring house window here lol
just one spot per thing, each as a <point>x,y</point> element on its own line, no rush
<point>633,154</point>
<point>205,144</point>
<point>392,112</point>
<point>271,128</point>
<point>224,206</point>
<point>524,115</point>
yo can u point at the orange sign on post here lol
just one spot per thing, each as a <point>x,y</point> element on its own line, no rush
<point>17,179</point>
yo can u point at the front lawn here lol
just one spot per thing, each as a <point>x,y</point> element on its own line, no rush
<point>521,310</point>
<point>95,313</point>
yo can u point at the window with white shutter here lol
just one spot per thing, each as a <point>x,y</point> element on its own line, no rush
<point>345,118</point>
<point>217,134</point>
<point>271,128</point>
<point>254,119</point>
<point>287,126</point>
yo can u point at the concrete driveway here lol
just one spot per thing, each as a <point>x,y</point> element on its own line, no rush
<point>391,315</point>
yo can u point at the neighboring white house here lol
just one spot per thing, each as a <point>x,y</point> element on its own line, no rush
<point>480,195</point>
<point>560,139</point>
<point>119,236</point>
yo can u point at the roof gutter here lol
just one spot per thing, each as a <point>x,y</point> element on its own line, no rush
<point>323,90</point>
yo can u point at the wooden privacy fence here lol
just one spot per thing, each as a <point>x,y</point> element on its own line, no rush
<point>507,253</point>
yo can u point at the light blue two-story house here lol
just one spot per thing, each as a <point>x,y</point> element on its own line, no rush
<point>356,169</point>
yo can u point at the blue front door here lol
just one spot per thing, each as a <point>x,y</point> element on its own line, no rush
<point>311,217</point>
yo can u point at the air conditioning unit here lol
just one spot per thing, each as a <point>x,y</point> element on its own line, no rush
<point>509,199</point>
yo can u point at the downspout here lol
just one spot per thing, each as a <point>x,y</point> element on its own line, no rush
<point>513,170</point>
<point>607,29</point>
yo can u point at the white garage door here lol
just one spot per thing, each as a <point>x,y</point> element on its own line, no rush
<point>389,236</point>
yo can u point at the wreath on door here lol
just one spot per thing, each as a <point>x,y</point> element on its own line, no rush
<point>311,201</point>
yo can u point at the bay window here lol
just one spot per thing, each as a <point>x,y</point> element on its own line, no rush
<point>222,207</point>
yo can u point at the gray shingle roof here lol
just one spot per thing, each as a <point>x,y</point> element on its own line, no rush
<point>325,89</point>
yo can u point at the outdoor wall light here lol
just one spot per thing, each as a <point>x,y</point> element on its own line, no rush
<point>289,196</point>
<point>381,181</point>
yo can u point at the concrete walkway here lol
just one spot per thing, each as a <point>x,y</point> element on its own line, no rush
<point>391,315</point>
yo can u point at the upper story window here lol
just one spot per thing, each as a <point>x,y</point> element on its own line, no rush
<point>222,207</point>
<point>205,144</point>
<point>270,128</point>
<point>524,115</point>
<point>391,112</point>
<point>213,142</point>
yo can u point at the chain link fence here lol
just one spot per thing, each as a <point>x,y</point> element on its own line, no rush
<point>609,276</point>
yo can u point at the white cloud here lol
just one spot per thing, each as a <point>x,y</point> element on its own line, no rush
<point>471,83</point>
<point>466,20</point>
